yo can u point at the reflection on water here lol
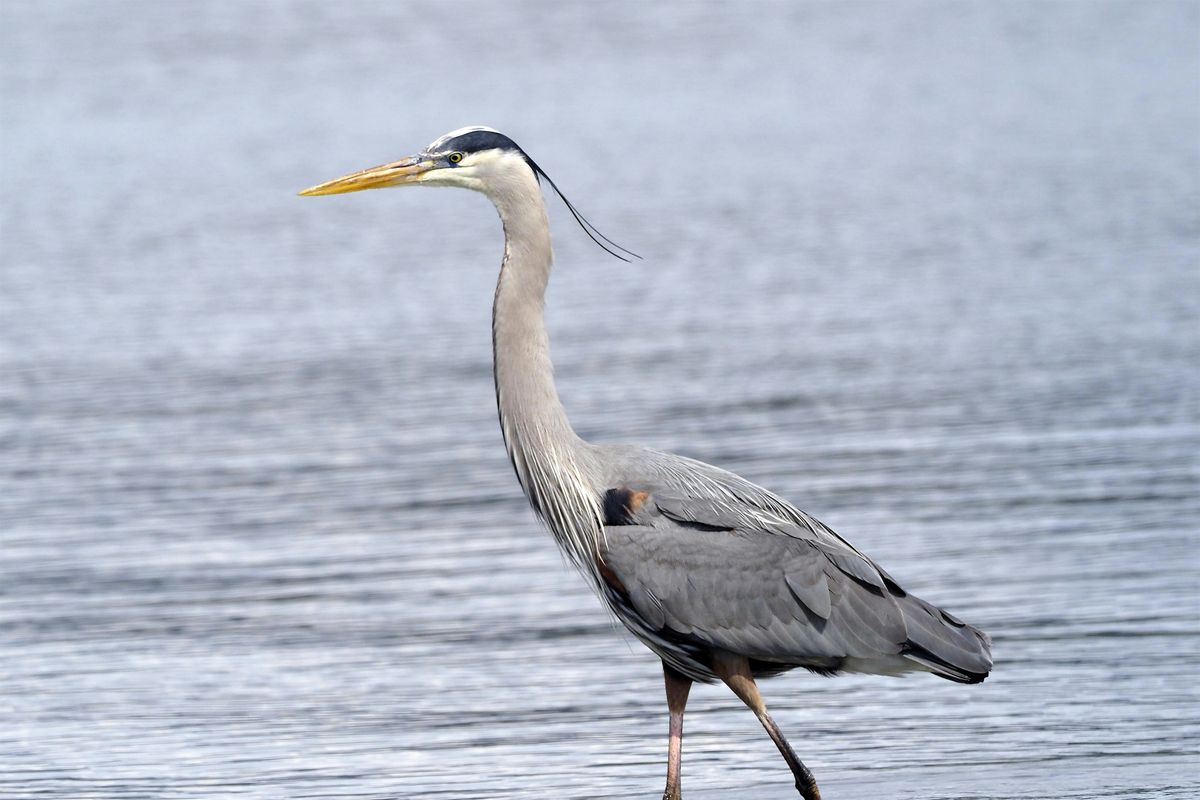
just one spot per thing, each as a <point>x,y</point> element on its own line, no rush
<point>928,271</point>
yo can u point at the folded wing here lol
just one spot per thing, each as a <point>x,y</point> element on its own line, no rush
<point>718,572</point>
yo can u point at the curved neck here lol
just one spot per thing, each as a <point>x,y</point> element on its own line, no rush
<point>551,461</point>
<point>531,415</point>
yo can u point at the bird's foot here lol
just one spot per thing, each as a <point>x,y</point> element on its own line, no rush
<point>808,789</point>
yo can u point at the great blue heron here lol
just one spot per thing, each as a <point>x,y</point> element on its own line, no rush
<point>722,579</point>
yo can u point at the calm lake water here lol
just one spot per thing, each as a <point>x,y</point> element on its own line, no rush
<point>930,271</point>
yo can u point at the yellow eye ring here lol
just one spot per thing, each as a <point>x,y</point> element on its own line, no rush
<point>454,158</point>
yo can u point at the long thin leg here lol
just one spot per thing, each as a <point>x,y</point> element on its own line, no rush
<point>735,671</point>
<point>678,687</point>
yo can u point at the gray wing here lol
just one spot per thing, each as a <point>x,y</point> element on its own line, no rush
<point>713,570</point>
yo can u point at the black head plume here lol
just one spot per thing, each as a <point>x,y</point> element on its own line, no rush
<point>606,244</point>
<point>473,140</point>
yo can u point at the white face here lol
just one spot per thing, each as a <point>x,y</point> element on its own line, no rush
<point>468,170</point>
<point>498,173</point>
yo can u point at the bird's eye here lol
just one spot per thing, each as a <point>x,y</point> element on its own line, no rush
<point>454,158</point>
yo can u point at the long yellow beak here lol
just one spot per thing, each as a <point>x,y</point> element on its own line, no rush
<point>406,170</point>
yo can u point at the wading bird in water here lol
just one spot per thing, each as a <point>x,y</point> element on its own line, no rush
<point>722,579</point>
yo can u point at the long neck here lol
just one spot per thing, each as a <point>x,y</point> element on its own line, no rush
<point>551,461</point>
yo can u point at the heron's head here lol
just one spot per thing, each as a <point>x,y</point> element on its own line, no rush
<point>473,158</point>
<point>476,158</point>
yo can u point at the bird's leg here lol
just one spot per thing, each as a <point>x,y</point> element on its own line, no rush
<point>735,671</point>
<point>678,687</point>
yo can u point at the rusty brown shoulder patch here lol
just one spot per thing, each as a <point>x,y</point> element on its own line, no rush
<point>610,578</point>
<point>622,505</point>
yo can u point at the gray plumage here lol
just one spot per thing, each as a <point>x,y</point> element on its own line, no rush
<point>709,560</point>
<point>720,578</point>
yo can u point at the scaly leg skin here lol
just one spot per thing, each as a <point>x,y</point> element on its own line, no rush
<point>678,687</point>
<point>735,671</point>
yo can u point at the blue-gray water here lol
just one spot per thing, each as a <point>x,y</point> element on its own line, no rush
<point>931,271</point>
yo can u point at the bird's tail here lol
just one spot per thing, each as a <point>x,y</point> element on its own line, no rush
<point>944,644</point>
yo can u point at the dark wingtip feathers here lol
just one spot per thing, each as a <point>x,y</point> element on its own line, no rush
<point>941,667</point>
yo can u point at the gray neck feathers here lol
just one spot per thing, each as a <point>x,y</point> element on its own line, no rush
<point>552,463</point>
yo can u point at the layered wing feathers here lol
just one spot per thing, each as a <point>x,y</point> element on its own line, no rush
<point>724,573</point>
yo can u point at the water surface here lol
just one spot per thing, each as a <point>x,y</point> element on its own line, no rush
<point>928,270</point>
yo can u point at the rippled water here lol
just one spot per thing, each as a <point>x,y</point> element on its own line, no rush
<point>928,270</point>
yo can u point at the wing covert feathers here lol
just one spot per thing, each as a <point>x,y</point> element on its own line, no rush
<point>697,573</point>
